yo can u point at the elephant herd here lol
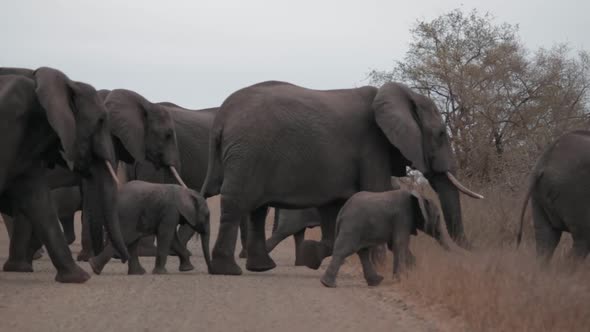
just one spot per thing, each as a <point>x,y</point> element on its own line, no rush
<point>318,157</point>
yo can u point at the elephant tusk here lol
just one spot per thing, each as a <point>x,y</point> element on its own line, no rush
<point>462,188</point>
<point>177,177</point>
<point>112,171</point>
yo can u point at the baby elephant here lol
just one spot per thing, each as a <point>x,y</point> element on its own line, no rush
<point>369,219</point>
<point>157,209</point>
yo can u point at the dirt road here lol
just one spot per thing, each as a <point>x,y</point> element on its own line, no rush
<point>284,299</point>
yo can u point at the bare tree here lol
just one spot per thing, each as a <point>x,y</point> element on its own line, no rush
<point>501,104</point>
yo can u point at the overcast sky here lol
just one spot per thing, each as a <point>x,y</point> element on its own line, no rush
<point>195,53</point>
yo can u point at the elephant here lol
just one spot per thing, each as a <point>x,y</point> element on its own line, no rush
<point>295,222</point>
<point>558,190</point>
<point>368,219</point>
<point>147,208</point>
<point>142,132</point>
<point>49,120</point>
<point>192,133</point>
<point>284,146</point>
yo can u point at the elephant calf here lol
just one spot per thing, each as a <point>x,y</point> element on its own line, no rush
<point>368,219</point>
<point>157,209</point>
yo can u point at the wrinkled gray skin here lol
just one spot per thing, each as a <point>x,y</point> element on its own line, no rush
<point>560,184</point>
<point>369,219</point>
<point>295,222</point>
<point>281,145</point>
<point>156,209</point>
<point>49,119</point>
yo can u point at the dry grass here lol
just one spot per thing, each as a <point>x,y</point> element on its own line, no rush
<point>497,287</point>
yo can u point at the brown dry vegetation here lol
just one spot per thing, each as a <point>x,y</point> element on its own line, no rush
<point>497,287</point>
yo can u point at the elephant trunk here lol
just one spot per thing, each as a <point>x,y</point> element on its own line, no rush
<point>100,208</point>
<point>451,207</point>
<point>205,246</point>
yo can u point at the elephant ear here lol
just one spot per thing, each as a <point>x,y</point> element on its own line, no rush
<point>395,114</point>
<point>423,215</point>
<point>54,92</point>
<point>186,207</point>
<point>127,116</point>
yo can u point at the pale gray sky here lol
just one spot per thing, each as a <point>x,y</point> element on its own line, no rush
<point>195,53</point>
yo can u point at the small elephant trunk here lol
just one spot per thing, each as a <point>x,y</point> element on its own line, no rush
<point>205,246</point>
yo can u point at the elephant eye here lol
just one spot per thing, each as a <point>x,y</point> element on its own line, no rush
<point>168,136</point>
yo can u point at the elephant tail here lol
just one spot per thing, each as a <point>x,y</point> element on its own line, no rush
<point>214,163</point>
<point>527,197</point>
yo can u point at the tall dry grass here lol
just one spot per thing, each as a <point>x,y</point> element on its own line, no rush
<point>497,287</point>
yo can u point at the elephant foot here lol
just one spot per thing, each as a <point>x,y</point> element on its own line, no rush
<point>186,266</point>
<point>96,268</point>
<point>159,270</point>
<point>76,276</point>
<point>84,256</point>
<point>225,266</point>
<point>38,254</point>
<point>374,280</point>
<point>327,281</point>
<point>260,263</point>
<point>15,266</point>
<point>138,271</point>
<point>243,253</point>
<point>313,253</point>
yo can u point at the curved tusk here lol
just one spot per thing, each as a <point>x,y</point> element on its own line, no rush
<point>112,171</point>
<point>177,177</point>
<point>462,188</point>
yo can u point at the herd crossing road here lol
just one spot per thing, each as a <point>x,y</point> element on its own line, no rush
<point>287,298</point>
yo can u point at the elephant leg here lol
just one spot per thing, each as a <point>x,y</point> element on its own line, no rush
<point>329,277</point>
<point>146,246</point>
<point>244,237</point>
<point>18,249</point>
<point>97,263</point>
<point>33,199</point>
<point>165,237</point>
<point>258,259</point>
<point>223,260</point>
<point>182,253</point>
<point>67,223</point>
<point>371,276</point>
<point>298,238</point>
<point>9,224</point>
<point>133,265</point>
<point>314,252</point>
<point>274,240</point>
<point>546,237</point>
<point>86,252</point>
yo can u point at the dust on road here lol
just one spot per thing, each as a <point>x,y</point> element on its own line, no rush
<point>285,299</point>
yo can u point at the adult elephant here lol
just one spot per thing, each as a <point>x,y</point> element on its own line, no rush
<point>281,145</point>
<point>559,188</point>
<point>141,131</point>
<point>192,133</point>
<point>48,118</point>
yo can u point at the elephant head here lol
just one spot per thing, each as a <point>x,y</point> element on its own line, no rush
<point>193,208</point>
<point>144,129</point>
<point>428,219</point>
<point>79,118</point>
<point>413,125</point>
